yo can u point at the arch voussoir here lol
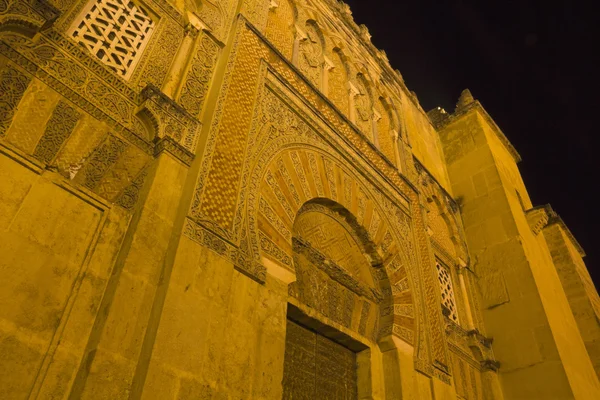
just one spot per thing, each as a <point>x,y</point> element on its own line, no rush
<point>301,175</point>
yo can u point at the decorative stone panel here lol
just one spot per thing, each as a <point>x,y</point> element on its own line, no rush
<point>13,84</point>
<point>29,14</point>
<point>61,124</point>
<point>169,122</point>
<point>197,81</point>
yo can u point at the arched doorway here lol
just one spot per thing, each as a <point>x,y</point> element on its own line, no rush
<point>335,303</point>
<point>295,176</point>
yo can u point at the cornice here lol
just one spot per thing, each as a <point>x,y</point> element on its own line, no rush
<point>555,219</point>
<point>538,218</point>
<point>476,106</point>
<point>326,100</point>
<point>421,168</point>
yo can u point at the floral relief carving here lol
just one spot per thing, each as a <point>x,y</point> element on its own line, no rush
<point>300,173</point>
<point>364,108</point>
<point>59,127</point>
<point>262,137</point>
<point>338,83</point>
<point>271,112</point>
<point>13,84</point>
<point>329,173</point>
<point>270,179</point>
<point>282,169</point>
<point>212,13</point>
<point>101,160</point>
<point>267,211</point>
<point>314,168</point>
<point>64,68</point>
<point>205,237</point>
<point>161,55</point>
<point>311,60</point>
<point>196,85</point>
<point>256,11</point>
<point>315,148</point>
<point>130,196</point>
<point>30,14</point>
<point>274,251</point>
<point>62,5</point>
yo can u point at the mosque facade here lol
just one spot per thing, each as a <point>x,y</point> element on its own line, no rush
<point>241,199</point>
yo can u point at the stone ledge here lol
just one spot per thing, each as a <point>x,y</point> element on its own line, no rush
<point>441,119</point>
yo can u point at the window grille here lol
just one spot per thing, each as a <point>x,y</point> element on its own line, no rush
<point>115,31</point>
<point>448,301</point>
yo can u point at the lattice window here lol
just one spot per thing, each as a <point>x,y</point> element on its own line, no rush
<point>448,301</point>
<point>115,31</point>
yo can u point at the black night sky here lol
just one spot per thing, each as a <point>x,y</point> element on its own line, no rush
<point>530,64</point>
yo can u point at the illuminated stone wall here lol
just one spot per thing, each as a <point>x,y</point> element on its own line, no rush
<point>178,179</point>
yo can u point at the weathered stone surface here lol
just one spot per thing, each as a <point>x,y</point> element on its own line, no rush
<point>168,211</point>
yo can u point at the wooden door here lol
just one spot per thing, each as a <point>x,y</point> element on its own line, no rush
<point>316,367</point>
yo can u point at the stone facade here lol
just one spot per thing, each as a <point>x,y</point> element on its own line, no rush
<point>241,199</point>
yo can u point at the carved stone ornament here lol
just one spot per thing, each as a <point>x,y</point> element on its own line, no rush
<point>169,120</point>
<point>32,14</point>
<point>490,365</point>
<point>312,54</point>
<point>336,272</point>
<point>130,195</point>
<point>364,109</point>
<point>13,84</point>
<point>311,48</point>
<point>237,256</point>
<point>196,85</point>
<point>57,131</point>
<point>364,33</point>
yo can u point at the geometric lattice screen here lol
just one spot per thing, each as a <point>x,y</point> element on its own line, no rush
<point>115,31</point>
<point>448,301</point>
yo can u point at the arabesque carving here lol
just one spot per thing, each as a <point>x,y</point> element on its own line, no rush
<point>59,127</point>
<point>364,108</point>
<point>31,15</point>
<point>195,88</point>
<point>169,119</point>
<point>311,59</point>
<point>320,174</point>
<point>130,196</point>
<point>280,26</point>
<point>13,84</point>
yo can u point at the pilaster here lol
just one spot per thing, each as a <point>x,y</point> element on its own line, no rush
<point>583,298</point>
<point>116,343</point>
